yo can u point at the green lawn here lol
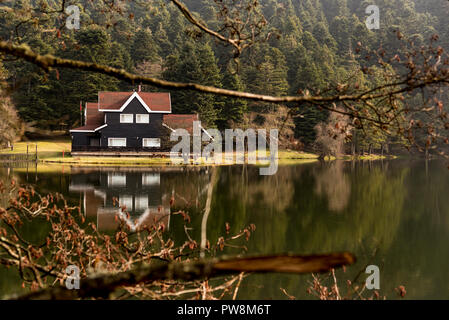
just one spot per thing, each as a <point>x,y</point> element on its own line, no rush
<point>45,148</point>
<point>290,154</point>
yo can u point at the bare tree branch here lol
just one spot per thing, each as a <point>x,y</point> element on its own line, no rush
<point>189,16</point>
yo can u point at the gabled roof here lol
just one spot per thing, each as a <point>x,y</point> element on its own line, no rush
<point>180,121</point>
<point>158,102</point>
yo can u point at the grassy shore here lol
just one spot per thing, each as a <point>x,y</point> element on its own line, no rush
<point>58,152</point>
<point>369,157</point>
<point>45,148</point>
<point>283,156</point>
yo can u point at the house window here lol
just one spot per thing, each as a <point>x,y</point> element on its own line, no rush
<point>149,179</point>
<point>141,202</point>
<point>117,180</point>
<point>126,201</point>
<point>151,142</point>
<point>126,118</point>
<point>117,142</point>
<point>142,118</point>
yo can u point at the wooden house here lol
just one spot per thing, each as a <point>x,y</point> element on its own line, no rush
<point>128,122</point>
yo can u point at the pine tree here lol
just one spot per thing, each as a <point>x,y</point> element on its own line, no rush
<point>144,47</point>
<point>195,63</point>
<point>233,109</point>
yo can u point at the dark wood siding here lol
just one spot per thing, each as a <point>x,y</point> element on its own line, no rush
<point>83,138</point>
<point>133,132</point>
<point>79,139</point>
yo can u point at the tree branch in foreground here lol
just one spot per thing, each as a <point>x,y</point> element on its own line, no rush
<point>48,61</point>
<point>189,16</point>
<point>104,284</point>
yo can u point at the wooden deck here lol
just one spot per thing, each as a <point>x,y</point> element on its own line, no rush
<point>120,154</point>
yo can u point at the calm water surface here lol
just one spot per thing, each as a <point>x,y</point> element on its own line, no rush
<point>394,214</point>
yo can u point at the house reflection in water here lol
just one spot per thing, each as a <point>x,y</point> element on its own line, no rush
<point>139,191</point>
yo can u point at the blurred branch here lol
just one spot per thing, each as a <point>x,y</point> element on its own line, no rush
<point>47,62</point>
<point>104,284</point>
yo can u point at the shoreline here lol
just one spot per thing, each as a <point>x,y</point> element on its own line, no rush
<point>288,158</point>
<point>283,155</point>
<point>58,152</point>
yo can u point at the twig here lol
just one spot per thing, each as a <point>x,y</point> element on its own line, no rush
<point>238,286</point>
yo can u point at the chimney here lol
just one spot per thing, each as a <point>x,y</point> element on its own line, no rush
<point>140,88</point>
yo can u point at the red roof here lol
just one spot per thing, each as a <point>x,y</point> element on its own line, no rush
<point>93,116</point>
<point>180,121</point>
<point>112,100</point>
<point>156,101</point>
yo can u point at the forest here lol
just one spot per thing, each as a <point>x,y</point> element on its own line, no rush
<point>334,87</point>
<point>301,46</point>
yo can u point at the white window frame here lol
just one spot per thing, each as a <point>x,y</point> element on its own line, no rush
<point>152,141</point>
<point>111,139</point>
<point>124,116</point>
<point>117,180</point>
<point>141,202</point>
<point>145,116</point>
<point>126,200</point>
<point>151,179</point>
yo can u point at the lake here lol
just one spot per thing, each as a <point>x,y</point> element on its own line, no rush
<point>393,214</point>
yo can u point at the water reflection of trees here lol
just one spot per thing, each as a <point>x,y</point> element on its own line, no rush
<point>368,197</point>
<point>5,177</point>
<point>420,259</point>
<point>371,214</point>
<point>333,182</point>
<point>8,277</point>
<point>274,191</point>
<point>293,210</point>
<point>242,196</point>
